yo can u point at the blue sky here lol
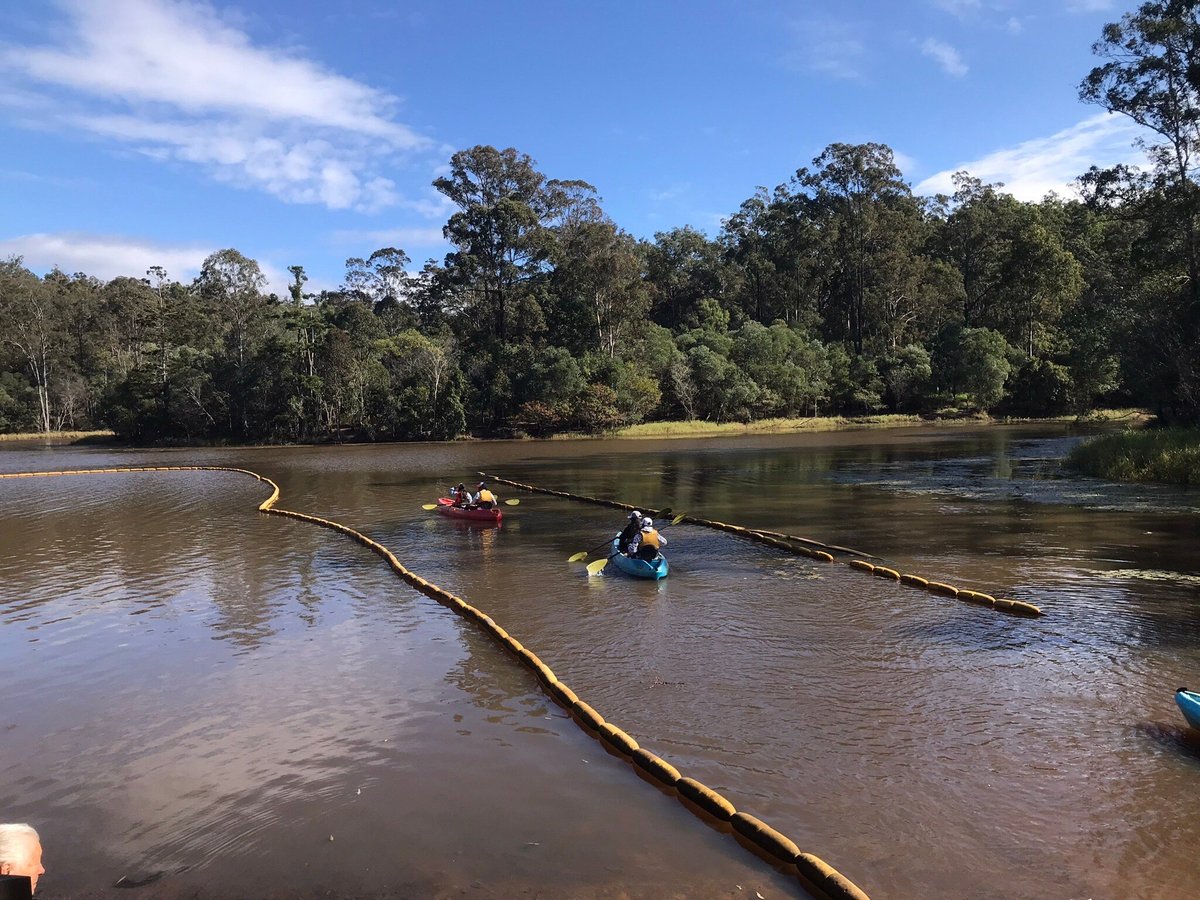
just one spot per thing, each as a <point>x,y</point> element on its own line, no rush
<point>152,132</point>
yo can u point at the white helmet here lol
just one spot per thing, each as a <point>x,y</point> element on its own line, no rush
<point>647,522</point>
<point>635,515</point>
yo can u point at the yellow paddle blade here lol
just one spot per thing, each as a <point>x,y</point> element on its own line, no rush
<point>512,502</point>
<point>577,557</point>
<point>596,565</point>
<point>679,518</point>
<point>429,506</point>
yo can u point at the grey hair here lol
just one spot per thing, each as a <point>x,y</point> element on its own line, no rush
<point>12,840</point>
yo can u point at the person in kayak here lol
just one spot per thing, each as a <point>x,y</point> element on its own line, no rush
<point>632,527</point>
<point>460,495</point>
<point>21,853</point>
<point>484,499</point>
<point>647,542</point>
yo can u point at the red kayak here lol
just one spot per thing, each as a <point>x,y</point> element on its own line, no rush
<point>447,508</point>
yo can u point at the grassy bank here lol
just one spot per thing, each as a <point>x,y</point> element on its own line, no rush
<point>1168,455</point>
<point>697,428</point>
<point>60,437</point>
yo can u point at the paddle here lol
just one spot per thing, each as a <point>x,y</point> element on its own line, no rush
<point>594,567</point>
<point>584,554</point>
<point>429,506</point>
<point>513,502</point>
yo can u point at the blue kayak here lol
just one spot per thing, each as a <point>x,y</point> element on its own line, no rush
<point>1189,705</point>
<point>638,568</point>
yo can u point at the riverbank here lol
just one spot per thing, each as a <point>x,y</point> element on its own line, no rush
<point>695,428</point>
<point>63,437</point>
<point>1167,455</point>
<point>1134,418</point>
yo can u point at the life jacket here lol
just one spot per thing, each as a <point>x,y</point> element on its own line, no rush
<point>649,539</point>
<point>485,496</point>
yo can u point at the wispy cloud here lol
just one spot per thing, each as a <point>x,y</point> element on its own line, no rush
<point>960,8</point>
<point>1032,169</point>
<point>173,80</point>
<point>674,192</point>
<point>1086,6</point>
<point>104,256</point>
<point>111,256</point>
<point>829,47</point>
<point>403,238</point>
<point>945,56</point>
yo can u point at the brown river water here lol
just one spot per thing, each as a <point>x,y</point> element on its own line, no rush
<point>202,701</point>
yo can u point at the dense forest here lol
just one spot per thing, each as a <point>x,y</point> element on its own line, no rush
<point>838,291</point>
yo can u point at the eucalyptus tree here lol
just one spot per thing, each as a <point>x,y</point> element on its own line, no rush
<point>976,238</point>
<point>504,233</point>
<point>382,281</point>
<point>871,231</point>
<point>599,283</point>
<point>501,232</point>
<point>234,284</point>
<point>683,267</point>
<point>128,323</point>
<point>761,247</point>
<point>1044,281</point>
<point>31,325</point>
<point>231,285</point>
<point>1152,76</point>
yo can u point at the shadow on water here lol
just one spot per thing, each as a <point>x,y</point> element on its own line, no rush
<point>1179,740</point>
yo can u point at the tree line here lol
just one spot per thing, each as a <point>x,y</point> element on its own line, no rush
<point>838,291</point>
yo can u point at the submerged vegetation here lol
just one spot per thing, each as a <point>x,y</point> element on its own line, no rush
<point>838,293</point>
<point>1170,455</point>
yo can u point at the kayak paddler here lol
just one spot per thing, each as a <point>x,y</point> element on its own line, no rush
<point>632,527</point>
<point>647,542</point>
<point>484,499</point>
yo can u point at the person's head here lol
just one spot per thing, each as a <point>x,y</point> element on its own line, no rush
<point>482,485</point>
<point>21,852</point>
<point>461,486</point>
<point>647,522</point>
<point>635,516</point>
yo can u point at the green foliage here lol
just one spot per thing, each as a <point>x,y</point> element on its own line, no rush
<point>983,366</point>
<point>836,292</point>
<point>906,373</point>
<point>1040,388</point>
<point>1151,76</point>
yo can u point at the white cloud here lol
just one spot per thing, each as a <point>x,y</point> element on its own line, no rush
<point>674,192</point>
<point>180,53</point>
<point>903,161</point>
<point>1014,25</point>
<point>173,80</point>
<point>960,8</point>
<point>945,56</point>
<point>827,46</point>
<point>1086,6</point>
<point>1033,168</point>
<point>111,256</point>
<point>104,256</point>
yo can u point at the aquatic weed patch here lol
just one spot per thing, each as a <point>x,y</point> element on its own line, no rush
<point>1168,455</point>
